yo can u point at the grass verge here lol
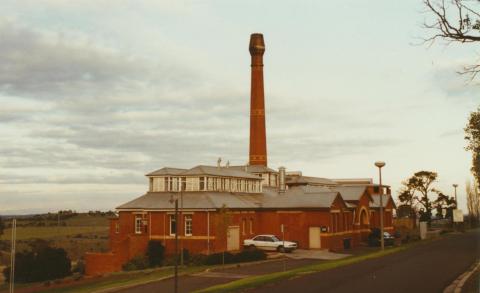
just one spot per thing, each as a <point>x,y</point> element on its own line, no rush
<point>256,281</point>
<point>124,279</point>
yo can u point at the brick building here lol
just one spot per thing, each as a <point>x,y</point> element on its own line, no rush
<point>220,206</point>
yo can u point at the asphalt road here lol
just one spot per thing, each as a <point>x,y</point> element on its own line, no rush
<point>194,282</point>
<point>425,268</point>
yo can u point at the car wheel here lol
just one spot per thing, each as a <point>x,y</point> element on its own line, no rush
<point>281,249</point>
<point>251,247</point>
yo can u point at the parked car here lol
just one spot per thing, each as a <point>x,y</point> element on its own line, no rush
<point>269,242</point>
<point>374,238</point>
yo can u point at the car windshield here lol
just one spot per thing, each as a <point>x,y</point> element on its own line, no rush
<point>275,239</point>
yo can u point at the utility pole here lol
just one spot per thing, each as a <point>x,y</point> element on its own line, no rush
<point>455,187</point>
<point>12,256</point>
<point>176,247</point>
<point>380,165</point>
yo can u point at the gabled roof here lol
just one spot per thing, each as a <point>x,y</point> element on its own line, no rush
<point>309,180</point>
<point>386,198</point>
<point>192,200</point>
<point>219,171</point>
<point>269,199</point>
<point>254,169</point>
<point>166,171</point>
<point>204,170</point>
<point>351,193</point>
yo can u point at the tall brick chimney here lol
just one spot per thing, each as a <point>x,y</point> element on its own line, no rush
<point>258,140</point>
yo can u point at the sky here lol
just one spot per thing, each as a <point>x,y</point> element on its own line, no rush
<point>95,94</point>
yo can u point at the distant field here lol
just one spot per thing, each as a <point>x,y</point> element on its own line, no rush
<point>76,234</point>
<point>52,232</point>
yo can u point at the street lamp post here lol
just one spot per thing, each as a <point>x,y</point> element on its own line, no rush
<point>380,164</point>
<point>176,245</point>
<point>455,187</point>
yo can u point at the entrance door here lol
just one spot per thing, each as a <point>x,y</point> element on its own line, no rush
<point>233,238</point>
<point>314,237</point>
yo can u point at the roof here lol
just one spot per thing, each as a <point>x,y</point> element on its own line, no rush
<point>192,200</point>
<point>204,170</point>
<point>309,180</point>
<point>270,198</point>
<point>354,181</point>
<point>254,169</point>
<point>219,171</point>
<point>166,171</point>
<point>376,200</point>
<point>350,193</point>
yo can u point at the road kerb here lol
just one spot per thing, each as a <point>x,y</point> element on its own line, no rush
<point>457,285</point>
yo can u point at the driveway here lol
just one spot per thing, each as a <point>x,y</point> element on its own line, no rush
<point>210,278</point>
<point>315,254</point>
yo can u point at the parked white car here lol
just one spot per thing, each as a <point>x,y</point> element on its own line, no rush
<point>269,242</point>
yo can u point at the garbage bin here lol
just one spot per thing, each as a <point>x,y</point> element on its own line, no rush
<point>347,243</point>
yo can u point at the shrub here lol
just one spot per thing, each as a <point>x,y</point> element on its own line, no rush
<point>46,264</point>
<point>218,258</point>
<point>250,255</point>
<point>155,253</point>
<point>79,267</point>
<point>139,262</point>
<point>186,256</point>
<point>198,259</point>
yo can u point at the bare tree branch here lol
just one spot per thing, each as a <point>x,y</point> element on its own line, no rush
<point>457,26</point>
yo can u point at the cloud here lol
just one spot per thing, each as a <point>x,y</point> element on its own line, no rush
<point>446,77</point>
<point>45,65</point>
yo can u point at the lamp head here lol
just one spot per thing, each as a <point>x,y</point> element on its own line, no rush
<point>455,185</point>
<point>379,164</point>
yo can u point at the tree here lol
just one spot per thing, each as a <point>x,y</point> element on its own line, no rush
<point>472,135</point>
<point>46,264</point>
<point>473,203</point>
<point>456,21</point>
<point>155,253</point>
<point>444,202</point>
<point>416,190</point>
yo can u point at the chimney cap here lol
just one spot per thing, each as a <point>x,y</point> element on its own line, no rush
<point>257,45</point>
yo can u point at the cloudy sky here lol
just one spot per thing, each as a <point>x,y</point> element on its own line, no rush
<point>95,94</point>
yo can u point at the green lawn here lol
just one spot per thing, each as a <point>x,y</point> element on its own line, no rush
<point>52,231</point>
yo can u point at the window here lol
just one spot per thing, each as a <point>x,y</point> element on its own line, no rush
<point>173,225</point>
<point>202,183</point>
<point>251,226</point>
<point>188,225</point>
<point>117,228</point>
<point>138,225</point>
<point>244,223</point>
<point>184,183</point>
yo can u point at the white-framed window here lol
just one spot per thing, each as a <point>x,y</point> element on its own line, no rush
<point>183,183</point>
<point>173,225</point>
<point>188,225</point>
<point>202,183</point>
<point>138,225</point>
<point>117,227</point>
<point>251,226</point>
